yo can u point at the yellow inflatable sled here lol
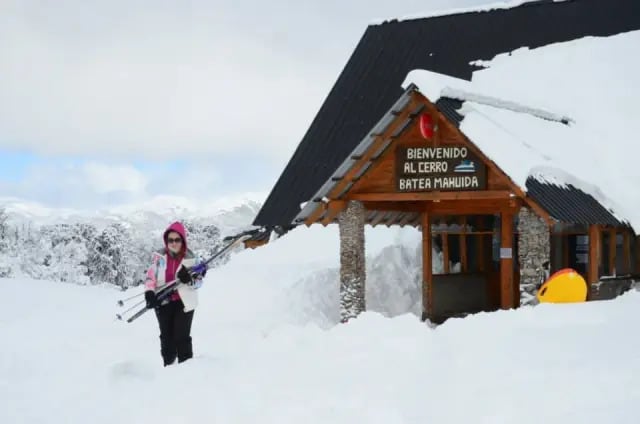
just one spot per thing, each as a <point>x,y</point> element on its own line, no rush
<point>565,286</point>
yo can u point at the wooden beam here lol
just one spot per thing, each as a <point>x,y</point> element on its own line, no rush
<point>252,244</point>
<point>506,261</point>
<point>594,255</point>
<point>431,196</point>
<point>612,251</point>
<point>427,272</point>
<point>565,251</point>
<point>333,210</point>
<point>394,206</point>
<point>462,207</point>
<point>459,233</point>
<point>626,251</point>
<point>319,210</point>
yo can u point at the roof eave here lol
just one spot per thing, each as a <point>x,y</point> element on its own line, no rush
<point>319,198</point>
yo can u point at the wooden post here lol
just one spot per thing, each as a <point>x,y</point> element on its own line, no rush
<point>427,272</point>
<point>506,260</point>
<point>482,267</point>
<point>445,252</point>
<point>352,261</point>
<point>480,248</point>
<point>612,252</point>
<point>595,246</point>
<point>626,249</point>
<point>463,245</point>
<point>565,251</point>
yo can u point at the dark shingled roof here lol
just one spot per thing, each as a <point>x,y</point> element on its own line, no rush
<point>449,108</point>
<point>371,80</point>
<point>569,204</point>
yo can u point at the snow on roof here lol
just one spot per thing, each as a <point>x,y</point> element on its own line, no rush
<point>593,81</point>
<point>459,10</point>
<point>466,96</point>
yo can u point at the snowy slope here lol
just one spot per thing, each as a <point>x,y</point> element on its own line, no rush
<point>66,360</point>
<point>228,213</point>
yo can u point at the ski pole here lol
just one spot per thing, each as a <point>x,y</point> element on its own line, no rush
<point>123,301</point>
<point>137,314</point>
<point>119,316</point>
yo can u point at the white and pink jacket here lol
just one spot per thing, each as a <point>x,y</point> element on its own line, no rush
<point>164,268</point>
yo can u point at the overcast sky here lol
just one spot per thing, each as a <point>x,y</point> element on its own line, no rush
<point>115,101</point>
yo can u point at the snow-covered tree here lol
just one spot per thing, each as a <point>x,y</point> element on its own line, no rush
<point>4,230</point>
<point>82,253</point>
<point>56,252</point>
<point>111,259</point>
<point>204,240</point>
<point>5,268</point>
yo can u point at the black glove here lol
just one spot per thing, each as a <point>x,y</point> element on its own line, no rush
<point>184,275</point>
<point>152,300</point>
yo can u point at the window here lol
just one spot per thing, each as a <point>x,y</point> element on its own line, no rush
<point>463,244</point>
<point>570,249</point>
<point>616,253</point>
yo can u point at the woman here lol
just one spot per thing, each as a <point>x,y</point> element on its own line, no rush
<point>175,313</point>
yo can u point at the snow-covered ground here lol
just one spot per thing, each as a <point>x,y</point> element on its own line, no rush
<point>262,354</point>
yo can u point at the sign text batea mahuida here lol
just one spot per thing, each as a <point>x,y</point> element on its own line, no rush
<point>444,168</point>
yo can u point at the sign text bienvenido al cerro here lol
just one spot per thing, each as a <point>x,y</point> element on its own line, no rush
<point>442,168</point>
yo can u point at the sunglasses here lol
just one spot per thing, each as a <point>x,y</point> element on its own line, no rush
<point>174,240</point>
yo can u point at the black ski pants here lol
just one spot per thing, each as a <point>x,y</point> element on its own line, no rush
<point>175,332</point>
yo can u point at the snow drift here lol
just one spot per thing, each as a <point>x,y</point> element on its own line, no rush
<point>259,354</point>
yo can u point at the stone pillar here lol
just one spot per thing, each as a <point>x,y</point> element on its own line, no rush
<point>352,261</point>
<point>534,250</point>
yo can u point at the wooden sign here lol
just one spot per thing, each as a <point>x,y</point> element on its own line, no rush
<point>442,168</point>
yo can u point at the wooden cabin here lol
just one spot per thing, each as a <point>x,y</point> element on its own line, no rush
<point>382,151</point>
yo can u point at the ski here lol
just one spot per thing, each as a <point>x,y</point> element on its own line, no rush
<point>169,287</point>
<point>122,302</point>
